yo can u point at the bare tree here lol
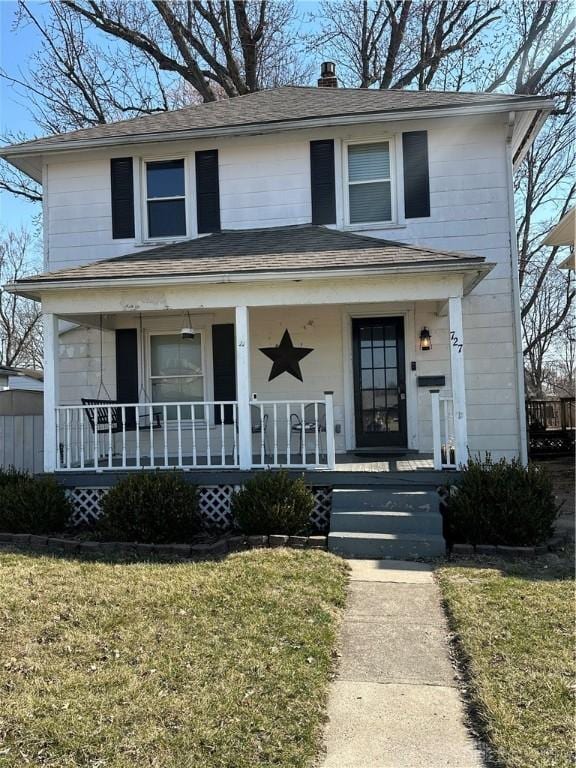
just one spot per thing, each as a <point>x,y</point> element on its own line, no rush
<point>549,335</point>
<point>20,330</point>
<point>524,46</point>
<point>211,44</point>
<point>400,43</point>
<point>545,182</point>
<point>98,62</point>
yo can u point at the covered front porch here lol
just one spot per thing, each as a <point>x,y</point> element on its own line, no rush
<point>301,347</point>
<point>390,406</point>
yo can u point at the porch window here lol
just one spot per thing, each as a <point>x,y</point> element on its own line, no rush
<point>176,373</point>
<point>369,183</point>
<point>166,198</point>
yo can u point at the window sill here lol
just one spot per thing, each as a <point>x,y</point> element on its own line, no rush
<point>157,241</point>
<point>374,225</point>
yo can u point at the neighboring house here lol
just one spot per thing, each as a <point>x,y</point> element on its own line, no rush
<point>564,234</point>
<point>322,271</point>
<point>20,378</point>
<point>21,422</point>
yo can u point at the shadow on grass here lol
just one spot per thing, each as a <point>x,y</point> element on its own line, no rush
<point>553,566</point>
<point>113,558</point>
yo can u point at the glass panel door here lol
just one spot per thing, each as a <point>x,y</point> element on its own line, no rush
<point>379,382</point>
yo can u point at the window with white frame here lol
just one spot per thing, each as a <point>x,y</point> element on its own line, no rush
<point>166,198</point>
<point>176,371</point>
<point>369,183</point>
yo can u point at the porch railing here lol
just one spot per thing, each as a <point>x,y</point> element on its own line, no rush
<point>293,433</point>
<point>106,436</point>
<point>111,436</point>
<point>443,432</point>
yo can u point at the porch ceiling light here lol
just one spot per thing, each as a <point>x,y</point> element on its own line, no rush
<point>425,340</point>
<point>188,332</point>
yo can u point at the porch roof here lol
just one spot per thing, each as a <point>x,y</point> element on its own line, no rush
<point>270,252</point>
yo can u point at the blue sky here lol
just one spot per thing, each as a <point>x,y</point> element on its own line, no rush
<point>15,48</point>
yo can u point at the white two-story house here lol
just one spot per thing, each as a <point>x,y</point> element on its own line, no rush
<point>297,277</point>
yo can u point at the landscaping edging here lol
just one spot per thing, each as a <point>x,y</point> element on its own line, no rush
<point>194,551</point>
<point>498,550</point>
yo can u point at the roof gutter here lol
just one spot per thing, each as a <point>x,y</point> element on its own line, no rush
<point>533,130</point>
<point>516,310</point>
<point>67,145</point>
<point>32,290</point>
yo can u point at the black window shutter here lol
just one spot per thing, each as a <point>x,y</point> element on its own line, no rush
<point>322,182</point>
<point>224,365</point>
<point>127,371</point>
<point>416,174</point>
<point>207,191</point>
<point>122,181</point>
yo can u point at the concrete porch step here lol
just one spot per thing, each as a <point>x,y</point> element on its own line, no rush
<point>383,499</point>
<point>386,545</point>
<point>386,522</point>
<point>389,521</point>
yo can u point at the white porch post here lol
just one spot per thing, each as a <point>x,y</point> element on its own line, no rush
<point>458,380</point>
<point>330,439</point>
<point>51,390</point>
<point>243,387</point>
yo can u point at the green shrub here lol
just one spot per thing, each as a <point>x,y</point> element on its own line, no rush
<point>271,502</point>
<point>12,475</point>
<point>32,504</point>
<point>501,502</point>
<point>154,507</point>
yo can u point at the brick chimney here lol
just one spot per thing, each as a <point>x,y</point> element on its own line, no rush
<point>327,77</point>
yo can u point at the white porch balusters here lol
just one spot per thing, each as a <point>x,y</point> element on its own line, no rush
<point>330,436</point>
<point>436,435</point>
<point>243,387</point>
<point>51,391</point>
<point>458,379</point>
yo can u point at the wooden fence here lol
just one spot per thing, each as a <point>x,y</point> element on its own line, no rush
<point>551,426</point>
<point>22,442</point>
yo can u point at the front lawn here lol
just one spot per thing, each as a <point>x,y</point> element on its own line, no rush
<point>192,665</point>
<point>514,627</point>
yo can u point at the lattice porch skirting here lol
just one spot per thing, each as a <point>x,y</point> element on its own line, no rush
<point>214,502</point>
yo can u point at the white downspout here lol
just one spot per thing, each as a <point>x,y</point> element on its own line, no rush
<point>518,346</point>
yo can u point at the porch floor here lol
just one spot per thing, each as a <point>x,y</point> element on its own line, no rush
<point>346,462</point>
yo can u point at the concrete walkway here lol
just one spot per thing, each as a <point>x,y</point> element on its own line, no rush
<point>395,703</point>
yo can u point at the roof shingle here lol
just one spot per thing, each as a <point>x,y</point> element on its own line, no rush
<point>288,103</point>
<point>302,248</point>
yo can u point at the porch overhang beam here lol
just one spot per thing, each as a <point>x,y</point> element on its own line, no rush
<point>225,297</point>
<point>334,287</point>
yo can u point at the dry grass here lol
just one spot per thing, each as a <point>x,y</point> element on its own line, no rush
<point>515,629</point>
<point>199,665</point>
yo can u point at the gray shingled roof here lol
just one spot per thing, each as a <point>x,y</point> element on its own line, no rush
<point>297,248</point>
<point>289,103</point>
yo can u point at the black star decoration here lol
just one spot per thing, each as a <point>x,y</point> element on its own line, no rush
<point>286,357</point>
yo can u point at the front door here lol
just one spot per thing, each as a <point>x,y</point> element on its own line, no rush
<point>379,382</point>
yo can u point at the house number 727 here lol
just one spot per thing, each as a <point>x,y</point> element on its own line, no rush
<point>455,341</point>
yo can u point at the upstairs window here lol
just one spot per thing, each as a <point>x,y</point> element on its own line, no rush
<point>369,183</point>
<point>166,198</point>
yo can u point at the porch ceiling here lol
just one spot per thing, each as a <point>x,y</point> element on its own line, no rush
<point>260,255</point>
